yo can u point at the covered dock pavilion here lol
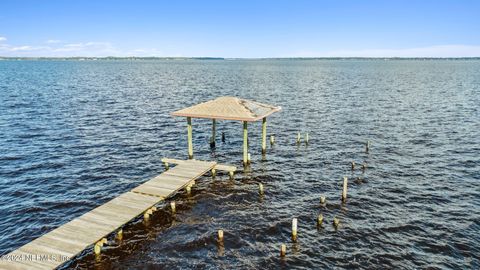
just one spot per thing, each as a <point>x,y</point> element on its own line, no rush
<point>229,108</point>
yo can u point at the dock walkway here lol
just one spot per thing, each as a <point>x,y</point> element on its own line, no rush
<point>55,248</point>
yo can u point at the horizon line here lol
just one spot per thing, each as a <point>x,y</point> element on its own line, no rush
<point>233,58</point>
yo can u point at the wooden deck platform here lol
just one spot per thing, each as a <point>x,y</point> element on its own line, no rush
<point>55,248</point>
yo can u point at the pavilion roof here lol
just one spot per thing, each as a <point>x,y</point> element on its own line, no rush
<point>229,108</point>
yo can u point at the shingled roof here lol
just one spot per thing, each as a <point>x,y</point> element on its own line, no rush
<point>229,108</point>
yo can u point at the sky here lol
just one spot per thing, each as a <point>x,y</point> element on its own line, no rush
<point>240,28</point>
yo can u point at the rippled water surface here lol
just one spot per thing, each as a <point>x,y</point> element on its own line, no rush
<point>74,134</point>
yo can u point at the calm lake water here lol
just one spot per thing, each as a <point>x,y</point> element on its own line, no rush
<point>75,134</point>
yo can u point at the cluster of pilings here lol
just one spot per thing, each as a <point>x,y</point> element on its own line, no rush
<point>320,219</point>
<point>323,200</point>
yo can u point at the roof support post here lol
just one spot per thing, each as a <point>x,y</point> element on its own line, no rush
<point>264,135</point>
<point>190,144</point>
<point>214,131</point>
<point>245,143</point>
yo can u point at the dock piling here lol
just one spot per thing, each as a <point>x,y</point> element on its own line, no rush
<point>264,136</point>
<point>345,186</point>
<point>190,143</point>
<point>120,235</point>
<point>272,139</point>
<point>336,222</point>
<point>172,207</point>
<point>283,250</point>
<point>220,236</point>
<point>97,249</point>
<point>245,143</point>
<point>323,199</point>
<point>214,131</point>
<point>260,188</point>
<point>306,138</point>
<point>294,230</point>
<point>299,137</point>
<point>319,220</point>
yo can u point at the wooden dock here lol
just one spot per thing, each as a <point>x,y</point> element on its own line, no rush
<point>90,230</point>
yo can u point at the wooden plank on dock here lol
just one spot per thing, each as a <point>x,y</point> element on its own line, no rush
<point>65,242</point>
<point>220,167</point>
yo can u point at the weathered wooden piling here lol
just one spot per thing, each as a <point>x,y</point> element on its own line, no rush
<point>119,235</point>
<point>319,220</point>
<point>353,165</point>
<point>323,200</point>
<point>306,138</point>
<point>190,143</point>
<point>344,191</point>
<point>260,188</point>
<point>214,172</point>
<point>245,143</point>
<point>367,147</point>
<point>149,212</point>
<point>294,230</point>
<point>172,207</point>
<point>166,166</point>
<point>299,137</point>
<point>272,139</point>
<point>97,248</point>
<point>283,250</point>
<point>336,222</point>
<point>214,133</point>
<point>264,135</point>
<point>220,236</point>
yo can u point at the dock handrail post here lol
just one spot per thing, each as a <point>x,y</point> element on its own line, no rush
<point>245,143</point>
<point>264,135</point>
<point>190,144</point>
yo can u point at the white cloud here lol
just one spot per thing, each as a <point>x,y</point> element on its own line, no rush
<point>431,51</point>
<point>81,49</point>
<point>145,52</point>
<point>53,41</point>
<point>57,48</point>
<point>86,49</point>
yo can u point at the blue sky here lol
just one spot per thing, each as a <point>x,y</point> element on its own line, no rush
<point>240,28</point>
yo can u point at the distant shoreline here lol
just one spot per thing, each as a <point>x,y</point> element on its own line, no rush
<point>226,58</point>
